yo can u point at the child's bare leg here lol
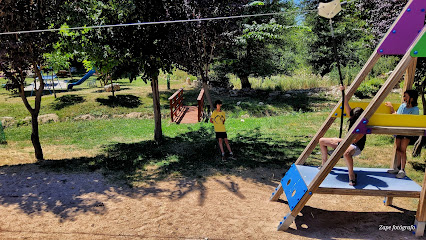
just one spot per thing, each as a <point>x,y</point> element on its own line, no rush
<point>221,145</point>
<point>398,155</point>
<point>402,151</point>
<point>350,161</point>
<point>227,145</point>
<point>327,142</point>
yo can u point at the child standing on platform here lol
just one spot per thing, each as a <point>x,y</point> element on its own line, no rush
<point>218,119</point>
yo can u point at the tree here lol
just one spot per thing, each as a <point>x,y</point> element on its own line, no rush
<point>97,47</point>
<point>126,50</point>
<point>21,54</point>
<point>262,47</point>
<point>196,43</point>
<point>351,36</point>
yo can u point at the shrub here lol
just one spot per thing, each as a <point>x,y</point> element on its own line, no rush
<point>369,88</point>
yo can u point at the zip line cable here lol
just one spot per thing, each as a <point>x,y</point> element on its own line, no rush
<point>156,23</point>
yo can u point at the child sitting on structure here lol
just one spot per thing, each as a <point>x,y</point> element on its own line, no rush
<point>218,119</point>
<point>353,150</point>
<point>408,107</point>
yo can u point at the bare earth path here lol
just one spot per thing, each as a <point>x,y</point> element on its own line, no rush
<point>38,203</point>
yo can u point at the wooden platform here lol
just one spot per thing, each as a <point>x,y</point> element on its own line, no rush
<point>370,182</point>
<point>190,115</point>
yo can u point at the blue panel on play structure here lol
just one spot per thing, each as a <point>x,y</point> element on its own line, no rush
<point>294,187</point>
<point>367,179</point>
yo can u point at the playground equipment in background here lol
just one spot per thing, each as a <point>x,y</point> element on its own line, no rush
<point>406,36</point>
<point>186,114</point>
<point>84,78</point>
<point>49,83</point>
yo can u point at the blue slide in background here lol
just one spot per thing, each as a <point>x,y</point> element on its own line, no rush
<point>84,78</point>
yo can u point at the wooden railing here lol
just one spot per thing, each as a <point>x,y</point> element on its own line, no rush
<point>176,104</point>
<point>200,101</point>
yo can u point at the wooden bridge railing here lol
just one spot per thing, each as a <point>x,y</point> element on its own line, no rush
<point>176,104</point>
<point>178,110</point>
<point>200,101</point>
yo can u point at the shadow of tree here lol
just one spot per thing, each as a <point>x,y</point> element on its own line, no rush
<point>70,187</point>
<point>190,155</point>
<point>36,190</point>
<point>128,101</point>
<point>67,100</point>
<point>418,166</point>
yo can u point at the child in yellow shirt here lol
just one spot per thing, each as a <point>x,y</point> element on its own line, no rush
<point>218,119</point>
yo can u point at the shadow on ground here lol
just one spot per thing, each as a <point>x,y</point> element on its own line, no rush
<point>67,100</point>
<point>128,101</point>
<point>194,154</point>
<point>64,187</point>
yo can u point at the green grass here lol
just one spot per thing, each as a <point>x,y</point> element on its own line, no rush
<point>263,131</point>
<point>125,147</point>
<point>11,105</point>
<point>302,79</point>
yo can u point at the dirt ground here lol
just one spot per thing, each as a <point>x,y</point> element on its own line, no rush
<point>37,203</point>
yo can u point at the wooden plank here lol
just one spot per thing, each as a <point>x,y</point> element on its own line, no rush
<point>277,193</point>
<point>397,131</point>
<point>200,103</point>
<point>200,96</point>
<point>176,93</point>
<point>388,201</point>
<point>398,120</point>
<point>421,208</point>
<point>367,192</point>
<point>382,108</point>
<point>329,121</point>
<point>409,77</point>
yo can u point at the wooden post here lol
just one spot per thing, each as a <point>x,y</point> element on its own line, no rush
<point>277,193</point>
<point>409,76</point>
<point>408,84</point>
<point>421,211</point>
<point>176,100</point>
<point>200,103</point>
<point>388,201</point>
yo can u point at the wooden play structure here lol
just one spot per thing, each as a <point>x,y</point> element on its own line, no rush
<point>186,114</point>
<point>405,37</point>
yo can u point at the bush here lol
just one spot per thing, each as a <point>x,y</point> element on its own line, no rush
<point>369,88</point>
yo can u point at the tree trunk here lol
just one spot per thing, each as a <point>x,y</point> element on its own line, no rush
<point>245,82</point>
<point>209,99</point>
<point>34,114</point>
<point>35,139</point>
<point>158,133</point>
<point>205,79</point>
